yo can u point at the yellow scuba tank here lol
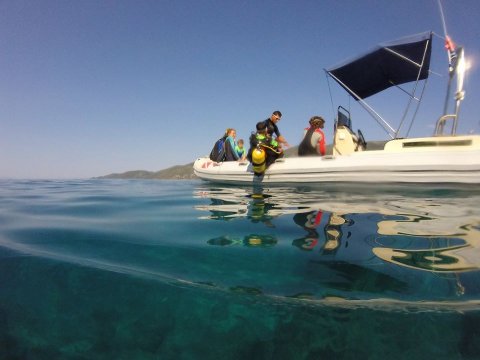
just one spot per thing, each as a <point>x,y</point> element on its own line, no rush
<point>259,159</point>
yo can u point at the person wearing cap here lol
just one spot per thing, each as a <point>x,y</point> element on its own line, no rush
<point>272,128</point>
<point>313,143</point>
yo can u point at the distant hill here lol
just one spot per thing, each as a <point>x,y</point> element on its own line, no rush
<point>182,172</point>
<point>177,172</point>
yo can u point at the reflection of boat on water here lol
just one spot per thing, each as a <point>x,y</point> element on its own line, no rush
<point>337,244</point>
<point>424,233</point>
<point>251,240</point>
<point>455,258</point>
<point>390,246</point>
<point>256,204</point>
<point>440,158</point>
<point>332,231</point>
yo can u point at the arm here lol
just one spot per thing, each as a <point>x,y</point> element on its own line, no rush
<point>282,141</point>
<point>280,137</point>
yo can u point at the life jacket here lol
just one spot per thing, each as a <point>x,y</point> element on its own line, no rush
<point>218,151</point>
<point>263,152</point>
<point>306,149</point>
<point>266,140</point>
<point>261,138</point>
<point>321,144</point>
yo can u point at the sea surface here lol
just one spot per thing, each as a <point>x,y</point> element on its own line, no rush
<point>133,269</point>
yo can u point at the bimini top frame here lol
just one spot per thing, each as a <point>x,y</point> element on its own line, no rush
<point>389,64</point>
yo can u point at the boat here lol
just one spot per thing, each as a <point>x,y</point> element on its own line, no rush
<point>444,157</point>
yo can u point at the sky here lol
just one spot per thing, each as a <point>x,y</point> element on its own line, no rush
<point>90,88</point>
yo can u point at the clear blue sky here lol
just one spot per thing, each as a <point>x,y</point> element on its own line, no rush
<point>89,88</point>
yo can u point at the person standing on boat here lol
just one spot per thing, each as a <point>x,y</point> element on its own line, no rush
<point>272,128</point>
<point>313,143</point>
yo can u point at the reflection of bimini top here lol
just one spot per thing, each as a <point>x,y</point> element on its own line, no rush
<point>450,259</point>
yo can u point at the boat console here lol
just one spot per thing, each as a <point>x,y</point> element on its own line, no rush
<point>345,141</point>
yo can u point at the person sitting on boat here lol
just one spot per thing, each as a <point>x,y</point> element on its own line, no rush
<point>313,143</point>
<point>230,145</point>
<point>240,150</point>
<point>264,150</point>
<point>272,128</point>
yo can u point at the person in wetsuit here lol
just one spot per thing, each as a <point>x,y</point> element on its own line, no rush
<point>313,143</point>
<point>230,145</point>
<point>272,128</point>
<point>262,140</point>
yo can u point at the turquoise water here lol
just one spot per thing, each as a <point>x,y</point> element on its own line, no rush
<point>101,269</point>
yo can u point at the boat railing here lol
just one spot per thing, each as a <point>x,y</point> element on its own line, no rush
<point>439,127</point>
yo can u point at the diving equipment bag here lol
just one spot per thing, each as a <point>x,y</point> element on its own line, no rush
<point>218,152</point>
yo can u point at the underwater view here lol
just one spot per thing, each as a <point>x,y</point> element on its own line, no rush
<point>136,269</point>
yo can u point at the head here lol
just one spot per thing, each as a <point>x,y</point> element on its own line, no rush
<point>231,132</point>
<point>240,143</point>
<point>261,128</point>
<point>317,122</point>
<point>276,116</point>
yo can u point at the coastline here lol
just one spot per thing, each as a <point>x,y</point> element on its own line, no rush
<point>184,172</point>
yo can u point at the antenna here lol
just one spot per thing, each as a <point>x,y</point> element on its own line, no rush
<point>456,64</point>
<point>448,45</point>
<point>443,18</point>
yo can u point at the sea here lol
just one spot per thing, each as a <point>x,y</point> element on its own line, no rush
<point>185,269</point>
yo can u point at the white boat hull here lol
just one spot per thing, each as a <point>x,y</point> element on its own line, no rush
<point>445,165</point>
